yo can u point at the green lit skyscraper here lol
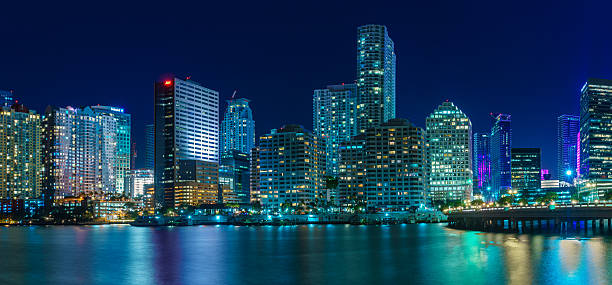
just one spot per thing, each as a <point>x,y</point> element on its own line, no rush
<point>596,138</point>
<point>375,76</point>
<point>449,133</point>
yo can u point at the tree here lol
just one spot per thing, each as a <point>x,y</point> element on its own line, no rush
<point>477,202</point>
<point>331,182</point>
<point>523,201</point>
<point>608,195</point>
<point>506,200</point>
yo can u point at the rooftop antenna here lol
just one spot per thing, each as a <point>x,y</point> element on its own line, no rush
<point>233,95</point>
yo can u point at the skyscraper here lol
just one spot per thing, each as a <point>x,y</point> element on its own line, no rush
<point>237,127</point>
<point>186,128</point>
<point>482,164</point>
<point>384,167</point>
<point>567,134</point>
<point>85,150</point>
<point>72,159</point>
<point>116,145</point>
<point>449,133</point>
<point>334,119</point>
<point>501,147</point>
<point>526,172</point>
<point>20,153</point>
<point>291,167</point>
<point>149,155</point>
<point>596,137</point>
<point>376,61</point>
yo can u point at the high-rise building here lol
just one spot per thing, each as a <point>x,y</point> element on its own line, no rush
<point>116,146</point>
<point>234,174</point>
<point>596,138</point>
<point>568,127</point>
<point>186,128</point>
<point>526,172</point>
<point>237,127</point>
<point>384,167</point>
<point>482,165</point>
<point>20,153</point>
<point>85,150</point>
<point>376,62</point>
<point>449,134</point>
<point>334,119</point>
<point>501,147</point>
<point>6,98</point>
<point>291,167</point>
<point>149,155</point>
<point>137,180</point>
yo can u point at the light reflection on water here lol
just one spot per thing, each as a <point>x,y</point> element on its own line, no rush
<point>315,254</point>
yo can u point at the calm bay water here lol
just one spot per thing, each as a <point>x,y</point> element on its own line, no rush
<point>315,254</point>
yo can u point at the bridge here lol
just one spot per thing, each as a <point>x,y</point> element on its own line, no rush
<point>552,218</point>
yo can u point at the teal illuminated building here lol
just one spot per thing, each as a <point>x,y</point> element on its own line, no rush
<point>449,134</point>
<point>376,61</point>
<point>238,127</point>
<point>595,138</point>
<point>234,175</point>
<point>335,119</point>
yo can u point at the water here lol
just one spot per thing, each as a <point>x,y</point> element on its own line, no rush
<point>321,254</point>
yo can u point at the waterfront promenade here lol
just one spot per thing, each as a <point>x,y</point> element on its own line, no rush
<point>552,218</point>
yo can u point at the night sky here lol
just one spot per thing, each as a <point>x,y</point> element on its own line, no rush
<point>528,58</point>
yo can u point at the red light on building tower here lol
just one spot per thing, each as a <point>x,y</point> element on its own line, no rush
<point>167,82</point>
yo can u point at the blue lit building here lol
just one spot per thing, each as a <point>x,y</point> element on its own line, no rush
<point>334,119</point>
<point>501,147</point>
<point>568,127</point>
<point>186,129</point>
<point>237,127</point>
<point>482,165</point>
<point>376,62</point>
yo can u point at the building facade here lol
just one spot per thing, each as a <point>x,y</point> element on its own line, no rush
<point>6,98</point>
<point>291,168</point>
<point>568,127</point>
<point>449,134</point>
<point>20,153</point>
<point>335,119</point>
<point>186,128</point>
<point>526,172</point>
<point>254,189</point>
<point>596,138</point>
<point>115,146</point>
<point>149,155</point>
<point>482,165</point>
<point>237,127</point>
<point>376,61</point>
<point>384,168</point>
<point>234,175</point>
<point>501,148</point>
<point>72,153</point>
<point>137,180</point>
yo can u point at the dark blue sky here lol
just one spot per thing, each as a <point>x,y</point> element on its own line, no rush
<point>527,58</point>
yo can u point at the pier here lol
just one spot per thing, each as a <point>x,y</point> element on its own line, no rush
<point>576,218</point>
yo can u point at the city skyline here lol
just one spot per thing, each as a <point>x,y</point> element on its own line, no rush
<point>418,69</point>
